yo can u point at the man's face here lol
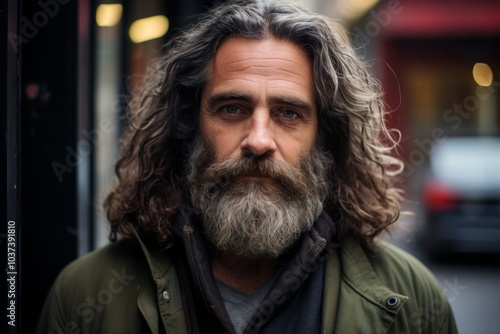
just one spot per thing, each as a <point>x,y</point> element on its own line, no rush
<point>259,99</point>
<point>255,172</point>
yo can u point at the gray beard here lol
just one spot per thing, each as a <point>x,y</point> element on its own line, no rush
<point>255,219</point>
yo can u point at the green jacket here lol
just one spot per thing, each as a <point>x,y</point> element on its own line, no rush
<point>113,290</point>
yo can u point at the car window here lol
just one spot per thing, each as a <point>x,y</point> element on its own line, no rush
<point>467,162</point>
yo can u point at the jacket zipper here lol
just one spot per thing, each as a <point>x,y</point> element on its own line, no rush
<point>189,319</point>
<point>191,256</point>
<point>195,269</point>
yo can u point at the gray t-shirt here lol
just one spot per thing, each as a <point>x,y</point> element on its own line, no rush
<point>241,306</point>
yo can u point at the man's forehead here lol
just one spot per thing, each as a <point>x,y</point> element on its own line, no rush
<point>243,48</point>
<point>280,63</point>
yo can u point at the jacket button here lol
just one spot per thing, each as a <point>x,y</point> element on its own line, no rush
<point>392,302</point>
<point>166,295</point>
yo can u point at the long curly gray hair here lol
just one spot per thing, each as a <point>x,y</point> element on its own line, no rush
<point>163,121</point>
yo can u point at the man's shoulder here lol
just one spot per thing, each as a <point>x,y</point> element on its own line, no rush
<point>390,253</point>
<point>116,261</point>
<point>125,251</point>
<point>101,290</point>
<point>402,271</point>
<point>394,267</point>
<point>396,281</point>
<point>398,267</point>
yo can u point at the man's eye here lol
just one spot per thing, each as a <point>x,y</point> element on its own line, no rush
<point>289,114</point>
<point>231,109</point>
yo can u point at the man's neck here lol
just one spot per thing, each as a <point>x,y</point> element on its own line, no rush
<point>245,275</point>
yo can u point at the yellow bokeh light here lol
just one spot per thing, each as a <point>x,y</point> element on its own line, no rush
<point>483,75</point>
<point>353,9</point>
<point>148,28</point>
<point>108,15</point>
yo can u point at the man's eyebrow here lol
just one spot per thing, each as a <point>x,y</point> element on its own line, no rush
<point>227,96</point>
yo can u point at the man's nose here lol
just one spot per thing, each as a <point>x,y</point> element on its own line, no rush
<point>260,138</point>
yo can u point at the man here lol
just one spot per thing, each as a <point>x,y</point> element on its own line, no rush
<point>253,180</point>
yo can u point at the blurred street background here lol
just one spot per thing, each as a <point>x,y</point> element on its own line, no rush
<point>70,66</point>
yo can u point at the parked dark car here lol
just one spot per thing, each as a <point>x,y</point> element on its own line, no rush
<point>461,196</point>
